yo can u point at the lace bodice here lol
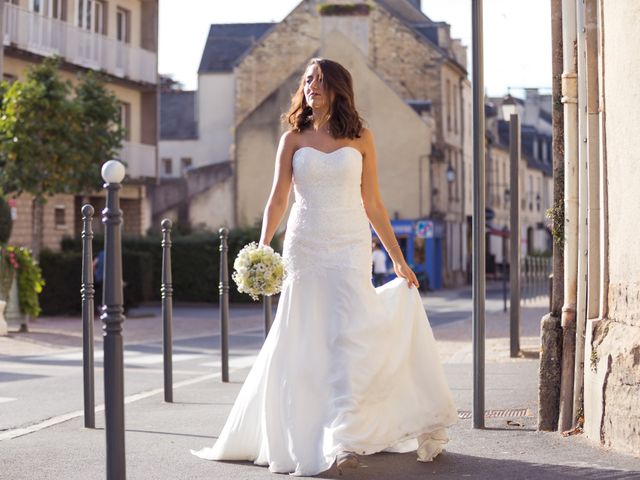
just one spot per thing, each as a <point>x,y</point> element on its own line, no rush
<point>327,180</point>
<point>327,226</point>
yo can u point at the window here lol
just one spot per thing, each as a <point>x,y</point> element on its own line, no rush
<point>455,112</point>
<point>185,164</point>
<point>49,8</point>
<point>59,216</point>
<point>123,22</point>
<point>125,119</point>
<point>167,165</point>
<point>91,15</point>
<point>448,93</point>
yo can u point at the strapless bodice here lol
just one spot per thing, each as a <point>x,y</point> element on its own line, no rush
<point>327,180</point>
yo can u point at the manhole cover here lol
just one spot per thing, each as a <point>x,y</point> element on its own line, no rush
<point>506,413</point>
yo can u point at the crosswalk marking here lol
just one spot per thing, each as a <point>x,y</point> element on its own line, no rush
<point>130,358</point>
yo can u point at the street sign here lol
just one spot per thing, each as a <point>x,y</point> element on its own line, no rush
<point>424,229</point>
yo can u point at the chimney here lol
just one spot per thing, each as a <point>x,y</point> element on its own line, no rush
<point>416,4</point>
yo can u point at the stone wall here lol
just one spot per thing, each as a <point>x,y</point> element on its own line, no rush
<point>285,49</point>
<point>612,383</point>
<point>399,151</point>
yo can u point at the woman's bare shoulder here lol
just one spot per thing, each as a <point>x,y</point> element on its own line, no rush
<point>290,140</point>
<point>366,140</point>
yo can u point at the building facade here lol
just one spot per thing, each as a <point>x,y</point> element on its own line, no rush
<point>425,161</point>
<point>120,39</point>
<point>607,164</point>
<point>534,173</point>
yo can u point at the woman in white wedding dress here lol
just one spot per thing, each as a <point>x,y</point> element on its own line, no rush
<point>347,369</point>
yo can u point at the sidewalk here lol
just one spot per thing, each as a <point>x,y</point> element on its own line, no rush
<point>159,435</point>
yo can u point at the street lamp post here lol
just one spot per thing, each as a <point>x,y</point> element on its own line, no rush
<point>479,270</point>
<point>510,110</point>
<point>112,316</point>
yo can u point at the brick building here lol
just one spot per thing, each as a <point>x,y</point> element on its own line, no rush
<point>119,38</point>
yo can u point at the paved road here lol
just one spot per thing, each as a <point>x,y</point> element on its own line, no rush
<point>44,380</point>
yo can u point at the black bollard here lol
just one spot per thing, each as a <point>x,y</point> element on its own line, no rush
<point>112,317</point>
<point>266,303</point>
<point>166,292</point>
<point>87,291</point>
<point>223,290</point>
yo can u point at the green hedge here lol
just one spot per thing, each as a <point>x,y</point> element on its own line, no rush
<point>63,276</point>
<point>195,264</point>
<point>62,273</point>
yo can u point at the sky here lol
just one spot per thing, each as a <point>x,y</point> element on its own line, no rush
<point>517,35</point>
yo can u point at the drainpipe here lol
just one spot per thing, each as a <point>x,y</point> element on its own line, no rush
<point>570,101</point>
<point>593,147</point>
<point>592,394</point>
<point>550,330</point>
<point>583,202</point>
<point>603,190</point>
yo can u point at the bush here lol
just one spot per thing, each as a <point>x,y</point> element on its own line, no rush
<point>63,274</point>
<point>6,223</point>
<point>137,276</point>
<point>195,264</point>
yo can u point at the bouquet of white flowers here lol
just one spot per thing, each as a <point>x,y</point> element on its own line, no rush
<point>259,270</point>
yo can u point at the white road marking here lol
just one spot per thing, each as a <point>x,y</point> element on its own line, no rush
<point>7,399</point>
<point>236,363</point>
<point>130,358</point>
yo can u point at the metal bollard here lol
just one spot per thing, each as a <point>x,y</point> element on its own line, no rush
<point>112,316</point>
<point>505,234</point>
<point>87,292</point>
<point>266,304</point>
<point>166,292</point>
<point>223,289</point>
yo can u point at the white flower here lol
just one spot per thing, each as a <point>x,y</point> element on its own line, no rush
<point>259,271</point>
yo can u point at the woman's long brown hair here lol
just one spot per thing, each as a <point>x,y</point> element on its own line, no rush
<point>344,120</point>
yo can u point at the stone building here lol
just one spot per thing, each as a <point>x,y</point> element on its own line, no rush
<point>601,155</point>
<point>535,174</point>
<point>119,38</point>
<point>409,74</point>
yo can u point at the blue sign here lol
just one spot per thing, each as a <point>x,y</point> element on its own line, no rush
<point>424,229</point>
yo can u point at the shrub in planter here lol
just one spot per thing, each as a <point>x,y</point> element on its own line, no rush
<point>18,261</point>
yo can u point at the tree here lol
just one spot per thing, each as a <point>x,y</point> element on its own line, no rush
<point>52,141</point>
<point>168,84</point>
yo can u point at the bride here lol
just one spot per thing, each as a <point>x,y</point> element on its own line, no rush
<point>347,369</point>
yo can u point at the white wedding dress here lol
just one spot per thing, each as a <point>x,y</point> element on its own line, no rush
<point>346,366</point>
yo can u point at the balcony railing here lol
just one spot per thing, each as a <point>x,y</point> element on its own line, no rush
<point>49,36</point>
<point>140,160</point>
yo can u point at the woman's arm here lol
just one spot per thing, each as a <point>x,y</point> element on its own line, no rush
<point>279,197</point>
<point>376,211</point>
